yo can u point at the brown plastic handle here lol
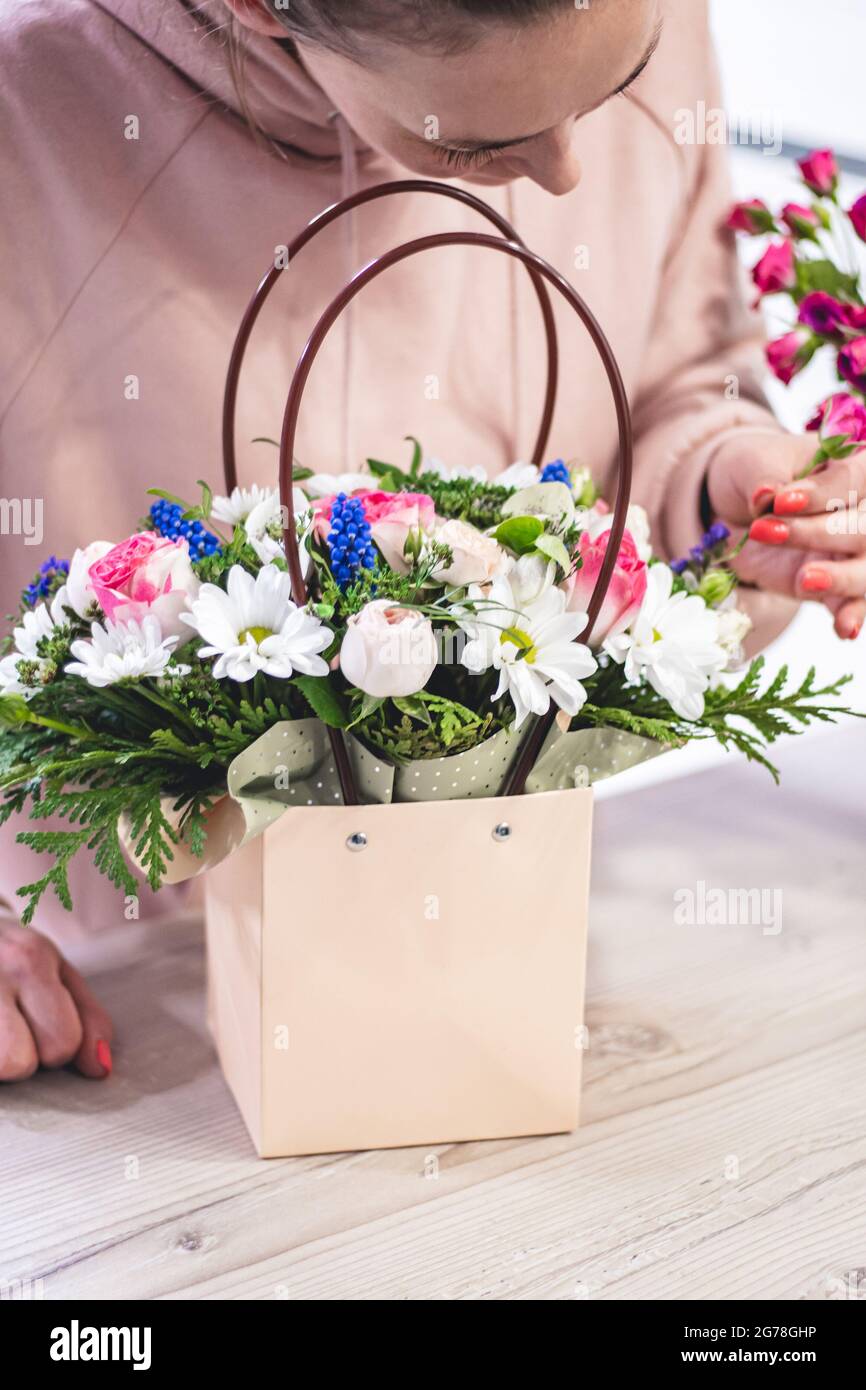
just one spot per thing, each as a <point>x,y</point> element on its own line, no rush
<point>537,733</point>
<point>317,224</point>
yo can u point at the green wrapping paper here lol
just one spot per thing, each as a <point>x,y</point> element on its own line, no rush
<point>291,765</point>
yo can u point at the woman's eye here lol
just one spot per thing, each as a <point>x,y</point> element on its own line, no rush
<point>463,159</point>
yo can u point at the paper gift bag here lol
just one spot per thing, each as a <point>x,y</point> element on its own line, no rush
<point>403,974</point>
<point>387,967</point>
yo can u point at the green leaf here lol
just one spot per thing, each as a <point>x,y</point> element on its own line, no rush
<point>519,533</point>
<point>414,706</point>
<point>417,456</point>
<point>391,478</point>
<point>554,549</point>
<point>323,700</point>
<point>823,275</point>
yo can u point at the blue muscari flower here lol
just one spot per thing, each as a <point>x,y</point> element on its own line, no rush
<point>679,566</point>
<point>697,554</point>
<point>167,520</point>
<point>349,539</point>
<point>717,533</point>
<point>555,472</point>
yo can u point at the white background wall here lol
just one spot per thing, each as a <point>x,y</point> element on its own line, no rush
<point>801,63</point>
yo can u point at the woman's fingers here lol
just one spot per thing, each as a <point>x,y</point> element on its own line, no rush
<point>821,578</point>
<point>48,1015</point>
<point>835,532</point>
<point>93,1057</point>
<point>849,617</point>
<point>18,1056</point>
<point>750,467</point>
<point>838,486</point>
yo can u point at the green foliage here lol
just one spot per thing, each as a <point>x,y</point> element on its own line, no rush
<point>519,533</point>
<point>823,275</point>
<point>744,717</point>
<point>421,726</point>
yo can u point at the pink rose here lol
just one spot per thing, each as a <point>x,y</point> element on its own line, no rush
<point>775,270</point>
<point>626,589</point>
<point>392,517</point>
<point>146,574</point>
<point>858,217</point>
<point>852,364</point>
<point>753,217</point>
<point>820,171</point>
<point>789,354</point>
<point>857,317</point>
<point>802,222</point>
<point>823,314</point>
<point>840,414</point>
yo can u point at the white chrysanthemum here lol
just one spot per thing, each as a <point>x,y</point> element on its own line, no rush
<point>40,622</point>
<point>518,475</point>
<point>734,628</point>
<point>673,644</point>
<point>264,527</point>
<point>329,484</point>
<point>123,651</point>
<point>236,508</point>
<point>533,649</point>
<point>255,626</point>
<point>459,470</point>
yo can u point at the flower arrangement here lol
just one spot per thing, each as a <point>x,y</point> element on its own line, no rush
<point>817,265</point>
<point>443,609</point>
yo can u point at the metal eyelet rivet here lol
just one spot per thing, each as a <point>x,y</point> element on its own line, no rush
<point>356,841</point>
<point>501,831</point>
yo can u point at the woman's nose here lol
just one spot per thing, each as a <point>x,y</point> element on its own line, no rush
<point>551,161</point>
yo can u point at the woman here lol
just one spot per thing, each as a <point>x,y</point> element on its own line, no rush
<point>156,154</point>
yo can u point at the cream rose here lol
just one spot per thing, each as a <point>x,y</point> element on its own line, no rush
<point>388,650</point>
<point>476,558</point>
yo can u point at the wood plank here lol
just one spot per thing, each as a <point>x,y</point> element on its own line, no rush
<point>705,1044</point>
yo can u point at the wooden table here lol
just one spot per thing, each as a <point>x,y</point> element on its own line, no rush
<point>722,1153</point>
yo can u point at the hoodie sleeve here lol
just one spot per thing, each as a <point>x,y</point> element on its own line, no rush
<point>702,377</point>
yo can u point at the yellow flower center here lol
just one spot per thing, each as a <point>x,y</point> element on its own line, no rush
<point>526,649</point>
<point>258,634</point>
<point>657,637</point>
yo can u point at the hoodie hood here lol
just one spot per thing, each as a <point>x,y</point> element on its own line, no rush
<point>260,80</point>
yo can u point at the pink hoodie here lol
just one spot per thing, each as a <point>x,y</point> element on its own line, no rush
<point>128,262</point>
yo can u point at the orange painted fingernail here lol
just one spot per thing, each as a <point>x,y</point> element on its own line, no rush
<point>103,1055</point>
<point>769,531</point>
<point>855,632</point>
<point>815,581</point>
<point>790,503</point>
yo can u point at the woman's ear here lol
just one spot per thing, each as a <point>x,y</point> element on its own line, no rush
<point>256,15</point>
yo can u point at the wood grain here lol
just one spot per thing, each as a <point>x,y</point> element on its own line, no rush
<point>723,1148</point>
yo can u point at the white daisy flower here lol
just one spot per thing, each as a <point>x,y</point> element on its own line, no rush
<point>329,484</point>
<point>254,626</point>
<point>236,508</point>
<point>518,475</point>
<point>448,475</point>
<point>533,648</point>
<point>673,644</point>
<point>36,624</point>
<point>123,651</point>
<point>264,527</point>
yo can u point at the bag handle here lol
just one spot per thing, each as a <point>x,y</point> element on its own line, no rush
<point>317,224</point>
<point>535,738</point>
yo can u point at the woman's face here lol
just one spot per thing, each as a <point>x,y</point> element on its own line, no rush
<point>505,107</point>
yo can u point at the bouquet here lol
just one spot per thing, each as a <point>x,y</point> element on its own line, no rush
<point>444,613</point>
<point>816,262</point>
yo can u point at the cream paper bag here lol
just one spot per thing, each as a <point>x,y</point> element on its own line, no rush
<point>405,971</point>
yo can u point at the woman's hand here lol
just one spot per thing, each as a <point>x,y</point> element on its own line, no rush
<point>807,537</point>
<point>48,1016</point>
